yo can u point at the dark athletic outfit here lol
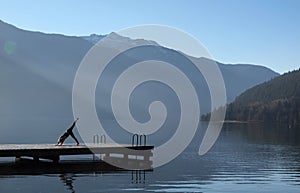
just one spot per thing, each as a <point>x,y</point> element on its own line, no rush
<point>69,132</point>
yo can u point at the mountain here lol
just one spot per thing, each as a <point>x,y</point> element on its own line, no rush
<point>38,70</point>
<point>277,100</point>
<point>115,41</point>
<point>243,77</point>
<point>93,38</point>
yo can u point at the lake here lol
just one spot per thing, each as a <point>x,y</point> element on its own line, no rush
<point>246,158</point>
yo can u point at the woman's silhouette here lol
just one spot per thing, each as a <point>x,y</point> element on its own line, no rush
<point>69,132</point>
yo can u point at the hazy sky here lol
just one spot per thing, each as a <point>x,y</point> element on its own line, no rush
<point>264,32</point>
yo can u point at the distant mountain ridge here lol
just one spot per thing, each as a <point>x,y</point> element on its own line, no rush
<point>38,70</point>
<point>115,41</point>
<point>93,38</point>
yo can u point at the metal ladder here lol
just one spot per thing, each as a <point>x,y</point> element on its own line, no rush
<point>98,140</point>
<point>137,140</point>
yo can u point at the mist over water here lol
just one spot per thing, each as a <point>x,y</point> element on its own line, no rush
<point>246,158</point>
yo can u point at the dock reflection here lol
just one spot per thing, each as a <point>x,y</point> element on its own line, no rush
<point>68,180</point>
<point>29,167</point>
<point>67,170</point>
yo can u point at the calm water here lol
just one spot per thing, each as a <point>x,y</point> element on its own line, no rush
<point>246,158</point>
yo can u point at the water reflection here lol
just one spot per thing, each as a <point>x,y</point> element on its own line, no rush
<point>246,158</point>
<point>264,133</point>
<point>138,177</point>
<point>68,172</point>
<point>68,179</point>
<point>29,167</point>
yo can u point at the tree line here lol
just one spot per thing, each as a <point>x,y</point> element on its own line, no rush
<point>277,100</point>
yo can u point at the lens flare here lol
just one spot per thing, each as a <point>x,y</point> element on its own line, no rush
<point>10,47</point>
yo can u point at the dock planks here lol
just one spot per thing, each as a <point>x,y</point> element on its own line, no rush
<point>111,152</point>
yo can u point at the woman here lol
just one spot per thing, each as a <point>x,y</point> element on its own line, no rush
<point>69,132</point>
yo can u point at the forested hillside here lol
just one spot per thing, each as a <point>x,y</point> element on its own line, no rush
<point>276,100</point>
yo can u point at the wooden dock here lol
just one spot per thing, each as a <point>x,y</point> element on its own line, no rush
<point>127,156</point>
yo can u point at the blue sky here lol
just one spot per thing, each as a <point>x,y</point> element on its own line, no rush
<point>263,32</point>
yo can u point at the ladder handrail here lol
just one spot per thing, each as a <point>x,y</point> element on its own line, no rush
<point>104,139</point>
<point>96,139</point>
<point>139,139</point>
<point>145,139</point>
